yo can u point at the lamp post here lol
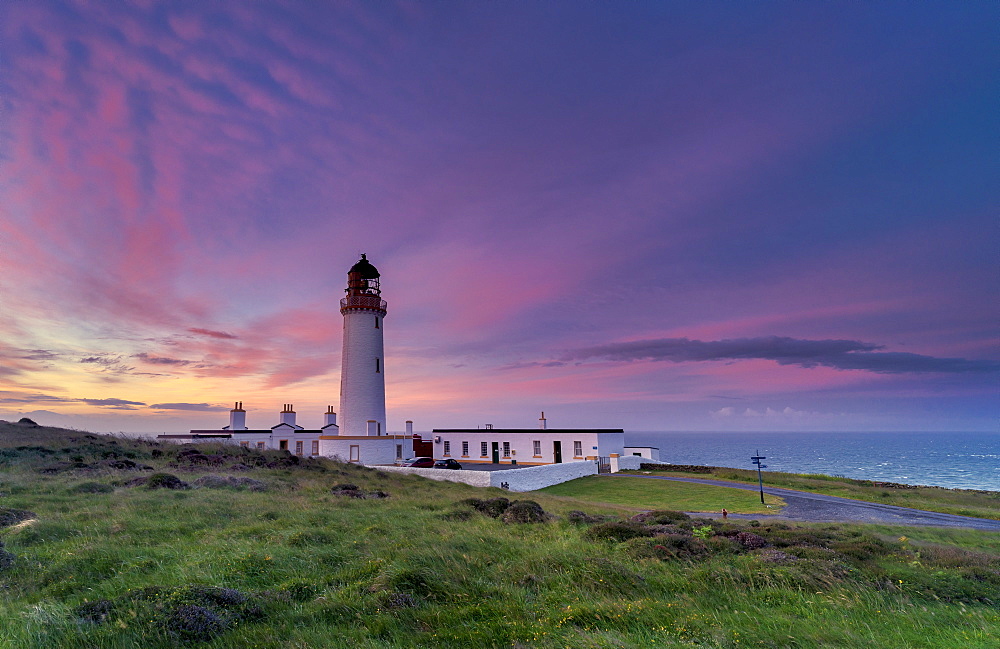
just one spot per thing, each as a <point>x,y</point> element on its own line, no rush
<point>760,479</point>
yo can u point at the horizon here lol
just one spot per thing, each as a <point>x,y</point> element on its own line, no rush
<point>662,218</point>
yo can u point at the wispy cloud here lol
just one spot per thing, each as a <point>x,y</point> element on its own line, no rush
<point>838,354</point>
<point>212,334</point>
<point>194,407</point>
<point>113,403</point>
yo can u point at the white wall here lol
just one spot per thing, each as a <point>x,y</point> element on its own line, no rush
<point>526,479</point>
<point>371,450</point>
<point>647,452</point>
<point>522,445</point>
<point>362,388</point>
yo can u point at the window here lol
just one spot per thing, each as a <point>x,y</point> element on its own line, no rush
<point>399,451</point>
<point>577,449</point>
<point>506,449</point>
<point>261,446</point>
<point>537,444</point>
<point>484,448</point>
<point>283,445</point>
<point>447,448</point>
<point>465,449</point>
<point>245,444</point>
<point>376,322</point>
<point>315,447</point>
<point>378,366</point>
<point>355,453</point>
<point>298,448</point>
<point>378,428</point>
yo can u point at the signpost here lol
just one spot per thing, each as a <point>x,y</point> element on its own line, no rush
<point>760,479</point>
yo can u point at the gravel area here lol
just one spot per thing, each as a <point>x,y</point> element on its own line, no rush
<point>817,508</point>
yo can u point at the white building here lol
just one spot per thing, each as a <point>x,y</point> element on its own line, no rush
<point>526,445</point>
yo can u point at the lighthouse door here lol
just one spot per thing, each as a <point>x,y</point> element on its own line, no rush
<point>557,452</point>
<point>496,452</point>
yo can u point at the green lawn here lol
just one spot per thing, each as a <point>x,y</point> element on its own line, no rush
<point>964,502</point>
<point>104,564</point>
<point>638,493</point>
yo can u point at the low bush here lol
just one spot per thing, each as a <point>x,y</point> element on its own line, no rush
<point>661,517</point>
<point>92,488</point>
<point>524,511</point>
<point>10,516</point>
<point>165,481</point>
<point>617,531</point>
<point>582,518</point>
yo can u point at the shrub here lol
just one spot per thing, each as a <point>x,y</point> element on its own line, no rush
<point>345,486</point>
<point>193,623</point>
<point>6,558</point>
<point>165,481</point>
<point>751,541</point>
<point>680,545</point>
<point>661,517</point>
<point>10,517</point>
<point>617,531</point>
<point>492,507</point>
<point>524,511</point>
<point>581,518</point>
<point>94,612</point>
<point>92,488</point>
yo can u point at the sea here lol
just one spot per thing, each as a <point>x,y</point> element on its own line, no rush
<point>943,459</point>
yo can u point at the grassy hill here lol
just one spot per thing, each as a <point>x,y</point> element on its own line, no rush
<point>117,543</point>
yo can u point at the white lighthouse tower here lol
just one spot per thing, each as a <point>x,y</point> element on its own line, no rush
<point>362,371</point>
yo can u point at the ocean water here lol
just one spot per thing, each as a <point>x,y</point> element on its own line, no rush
<point>954,460</point>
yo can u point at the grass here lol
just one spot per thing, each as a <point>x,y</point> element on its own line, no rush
<point>298,565</point>
<point>664,494</point>
<point>964,502</point>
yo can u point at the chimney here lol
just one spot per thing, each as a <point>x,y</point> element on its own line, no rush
<point>288,415</point>
<point>238,417</point>
<point>409,428</point>
<point>329,417</point>
<point>541,421</point>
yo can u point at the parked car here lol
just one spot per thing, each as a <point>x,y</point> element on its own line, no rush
<point>425,462</point>
<point>447,464</point>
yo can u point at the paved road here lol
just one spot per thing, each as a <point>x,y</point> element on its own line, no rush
<point>817,508</point>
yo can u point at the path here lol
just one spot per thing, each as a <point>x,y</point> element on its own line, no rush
<point>818,508</point>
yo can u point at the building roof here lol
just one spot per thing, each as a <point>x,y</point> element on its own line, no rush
<point>365,269</point>
<point>524,431</point>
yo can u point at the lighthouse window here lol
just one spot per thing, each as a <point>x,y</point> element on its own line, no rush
<point>376,322</point>
<point>378,367</point>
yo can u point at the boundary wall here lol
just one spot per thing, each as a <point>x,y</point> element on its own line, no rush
<point>523,479</point>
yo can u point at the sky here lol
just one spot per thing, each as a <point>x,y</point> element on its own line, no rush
<point>652,216</point>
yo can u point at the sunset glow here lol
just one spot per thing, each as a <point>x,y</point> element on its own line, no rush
<point>652,216</point>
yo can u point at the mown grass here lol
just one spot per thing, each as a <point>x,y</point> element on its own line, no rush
<point>964,502</point>
<point>665,494</point>
<point>297,565</point>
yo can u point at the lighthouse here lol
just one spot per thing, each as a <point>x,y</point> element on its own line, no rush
<point>362,370</point>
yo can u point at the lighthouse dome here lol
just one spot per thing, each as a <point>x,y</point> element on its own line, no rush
<point>364,268</point>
